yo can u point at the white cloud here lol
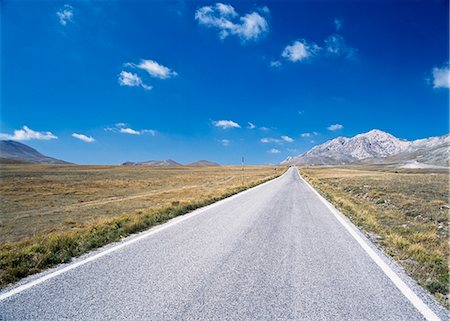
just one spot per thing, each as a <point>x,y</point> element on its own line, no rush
<point>224,142</point>
<point>132,80</point>
<point>26,134</point>
<point>275,64</point>
<point>292,150</point>
<point>300,50</point>
<point>287,139</point>
<point>338,23</point>
<point>225,18</point>
<point>264,128</point>
<point>123,128</point>
<point>148,131</point>
<point>267,140</point>
<point>65,15</point>
<point>130,131</point>
<point>154,69</point>
<point>304,135</point>
<point>273,151</point>
<point>251,125</point>
<point>84,138</point>
<point>441,77</point>
<point>226,124</point>
<point>335,45</point>
<point>335,127</point>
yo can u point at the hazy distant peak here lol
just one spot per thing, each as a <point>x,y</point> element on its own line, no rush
<point>15,151</point>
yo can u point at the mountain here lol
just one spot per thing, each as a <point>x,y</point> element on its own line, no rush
<point>377,147</point>
<point>203,163</point>
<point>167,162</point>
<point>12,152</point>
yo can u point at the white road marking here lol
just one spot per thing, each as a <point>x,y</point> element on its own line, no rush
<point>72,266</point>
<point>398,282</point>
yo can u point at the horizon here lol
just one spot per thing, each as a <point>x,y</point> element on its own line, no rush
<point>109,82</point>
<point>221,164</point>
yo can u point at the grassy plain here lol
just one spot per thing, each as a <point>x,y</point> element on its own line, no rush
<point>50,213</point>
<point>405,211</point>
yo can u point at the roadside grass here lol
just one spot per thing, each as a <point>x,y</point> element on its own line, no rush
<point>43,199</point>
<point>34,254</point>
<point>405,212</point>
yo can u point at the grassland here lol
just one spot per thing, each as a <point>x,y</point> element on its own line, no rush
<point>405,212</point>
<point>50,213</point>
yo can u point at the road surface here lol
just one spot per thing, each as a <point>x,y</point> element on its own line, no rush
<point>275,252</point>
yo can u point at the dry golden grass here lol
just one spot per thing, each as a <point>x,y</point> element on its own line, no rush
<point>404,211</point>
<point>52,213</point>
<point>38,199</point>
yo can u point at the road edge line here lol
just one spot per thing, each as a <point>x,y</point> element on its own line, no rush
<point>417,302</point>
<point>128,241</point>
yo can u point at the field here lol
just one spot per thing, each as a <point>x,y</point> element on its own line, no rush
<point>50,213</point>
<point>404,211</point>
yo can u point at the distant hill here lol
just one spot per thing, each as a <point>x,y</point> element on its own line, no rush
<point>12,152</point>
<point>203,163</point>
<point>170,162</point>
<point>167,162</point>
<point>377,148</point>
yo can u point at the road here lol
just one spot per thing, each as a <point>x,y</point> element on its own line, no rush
<point>275,252</point>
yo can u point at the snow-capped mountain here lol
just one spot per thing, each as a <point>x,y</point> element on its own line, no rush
<point>373,147</point>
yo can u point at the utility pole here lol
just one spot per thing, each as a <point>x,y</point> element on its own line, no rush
<point>242,170</point>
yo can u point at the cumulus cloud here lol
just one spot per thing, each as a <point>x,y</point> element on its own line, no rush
<point>27,133</point>
<point>84,138</point>
<point>300,50</point>
<point>287,139</point>
<point>65,15</point>
<point>273,151</point>
<point>154,69</point>
<point>251,125</point>
<point>132,80</point>
<point>335,45</point>
<point>224,142</point>
<point>224,17</point>
<point>441,77</point>
<point>225,124</point>
<point>335,127</point>
<point>123,128</point>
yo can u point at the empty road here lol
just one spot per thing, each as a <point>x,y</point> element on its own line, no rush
<point>275,252</point>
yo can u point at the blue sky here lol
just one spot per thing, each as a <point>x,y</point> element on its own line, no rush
<point>102,82</point>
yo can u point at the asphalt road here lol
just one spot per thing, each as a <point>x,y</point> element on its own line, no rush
<point>275,252</point>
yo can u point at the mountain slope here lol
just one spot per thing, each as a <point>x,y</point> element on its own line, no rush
<point>15,152</point>
<point>376,147</point>
<point>203,163</point>
<point>167,162</point>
